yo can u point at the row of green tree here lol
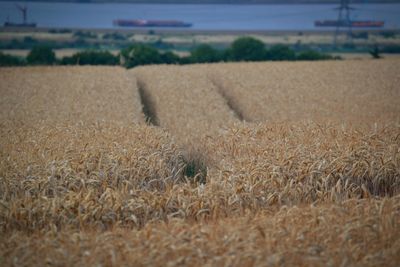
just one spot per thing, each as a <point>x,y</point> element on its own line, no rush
<point>44,55</point>
<point>242,49</point>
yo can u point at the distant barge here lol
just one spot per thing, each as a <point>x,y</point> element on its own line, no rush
<point>23,25</point>
<point>354,23</point>
<point>151,23</point>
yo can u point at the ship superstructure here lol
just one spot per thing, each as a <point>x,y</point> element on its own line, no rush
<point>150,23</point>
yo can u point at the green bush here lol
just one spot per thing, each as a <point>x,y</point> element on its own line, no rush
<point>81,34</point>
<point>115,36</point>
<point>247,49</point>
<point>60,31</point>
<point>80,43</point>
<point>204,54</point>
<point>391,49</point>
<point>41,55</point>
<point>29,40</point>
<point>169,58</point>
<point>388,34</point>
<point>9,60</point>
<point>161,45</point>
<point>91,57</point>
<point>313,55</point>
<point>226,54</point>
<point>139,54</point>
<point>280,52</point>
<point>375,52</point>
<point>349,46</point>
<point>185,60</point>
<point>243,49</point>
<point>360,35</point>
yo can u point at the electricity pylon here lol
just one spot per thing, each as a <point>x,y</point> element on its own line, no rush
<point>344,21</point>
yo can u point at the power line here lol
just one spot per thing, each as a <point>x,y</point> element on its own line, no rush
<point>343,21</point>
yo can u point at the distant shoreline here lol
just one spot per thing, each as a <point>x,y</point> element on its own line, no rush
<point>190,31</point>
<point>233,2</point>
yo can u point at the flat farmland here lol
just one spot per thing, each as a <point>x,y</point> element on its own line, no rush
<point>68,93</point>
<point>249,164</point>
<point>344,92</point>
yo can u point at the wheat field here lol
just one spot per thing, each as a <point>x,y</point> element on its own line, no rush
<point>247,164</point>
<point>69,93</point>
<point>328,91</point>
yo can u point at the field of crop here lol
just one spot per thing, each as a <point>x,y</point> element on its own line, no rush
<point>251,164</point>
<point>69,93</point>
<point>350,92</point>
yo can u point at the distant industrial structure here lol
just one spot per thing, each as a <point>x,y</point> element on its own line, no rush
<point>25,23</point>
<point>344,21</point>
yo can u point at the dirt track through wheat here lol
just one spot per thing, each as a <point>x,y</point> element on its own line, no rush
<point>250,164</point>
<point>188,106</point>
<point>344,92</point>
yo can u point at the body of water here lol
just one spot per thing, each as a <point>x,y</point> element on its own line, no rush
<point>203,17</point>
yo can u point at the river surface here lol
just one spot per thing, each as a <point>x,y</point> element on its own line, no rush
<point>203,17</point>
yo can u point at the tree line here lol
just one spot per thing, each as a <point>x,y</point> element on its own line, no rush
<point>242,49</point>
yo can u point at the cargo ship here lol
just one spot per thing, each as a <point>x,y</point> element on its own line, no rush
<point>23,25</point>
<point>151,23</point>
<point>353,23</point>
